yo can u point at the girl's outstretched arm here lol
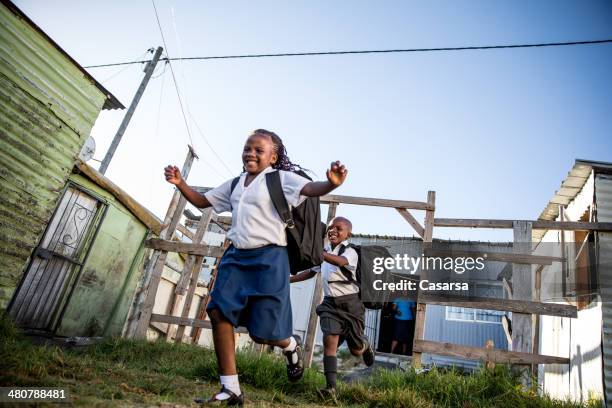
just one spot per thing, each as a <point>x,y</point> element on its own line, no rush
<point>336,174</point>
<point>173,176</point>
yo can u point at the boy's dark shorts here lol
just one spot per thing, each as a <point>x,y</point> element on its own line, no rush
<point>344,316</point>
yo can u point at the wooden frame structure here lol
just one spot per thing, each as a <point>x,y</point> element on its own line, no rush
<point>523,303</point>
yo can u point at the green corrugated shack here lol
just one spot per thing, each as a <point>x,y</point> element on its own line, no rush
<point>71,245</point>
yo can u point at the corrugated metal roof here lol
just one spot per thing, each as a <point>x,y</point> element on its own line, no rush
<point>48,109</point>
<point>570,187</point>
<point>111,101</point>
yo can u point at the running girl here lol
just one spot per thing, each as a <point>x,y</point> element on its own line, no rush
<point>252,287</point>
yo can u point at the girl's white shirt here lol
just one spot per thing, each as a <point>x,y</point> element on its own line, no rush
<point>255,221</point>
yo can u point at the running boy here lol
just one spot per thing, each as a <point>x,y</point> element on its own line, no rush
<point>252,287</point>
<point>341,313</point>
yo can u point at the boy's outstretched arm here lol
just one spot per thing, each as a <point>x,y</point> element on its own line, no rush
<point>302,276</point>
<point>336,174</point>
<point>173,176</point>
<point>337,260</point>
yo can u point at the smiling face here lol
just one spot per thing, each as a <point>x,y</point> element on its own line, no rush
<point>339,231</point>
<point>258,154</point>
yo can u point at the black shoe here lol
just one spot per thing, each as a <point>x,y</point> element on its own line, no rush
<point>233,400</point>
<point>368,355</point>
<point>327,394</point>
<point>295,371</point>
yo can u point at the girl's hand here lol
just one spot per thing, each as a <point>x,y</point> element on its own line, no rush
<point>173,175</point>
<point>336,174</point>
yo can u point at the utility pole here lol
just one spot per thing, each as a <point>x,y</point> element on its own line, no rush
<point>128,116</point>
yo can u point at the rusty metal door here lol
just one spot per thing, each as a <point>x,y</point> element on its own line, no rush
<point>57,261</point>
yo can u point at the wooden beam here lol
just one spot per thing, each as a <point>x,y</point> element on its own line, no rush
<point>496,256</point>
<point>412,221</point>
<point>539,224</point>
<point>507,305</point>
<point>484,354</point>
<point>421,308</point>
<point>184,248</point>
<point>317,297</point>
<point>185,231</point>
<point>522,284</point>
<point>376,202</point>
<point>205,324</point>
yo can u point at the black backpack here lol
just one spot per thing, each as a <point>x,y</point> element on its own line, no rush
<point>364,277</point>
<point>304,229</point>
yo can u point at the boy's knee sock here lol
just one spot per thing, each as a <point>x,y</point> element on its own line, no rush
<point>330,368</point>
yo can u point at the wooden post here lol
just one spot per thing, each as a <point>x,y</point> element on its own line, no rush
<point>421,309</point>
<point>145,299</point>
<point>490,365</point>
<point>192,263</point>
<point>522,285</point>
<point>317,297</point>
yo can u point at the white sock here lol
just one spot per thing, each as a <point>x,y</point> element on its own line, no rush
<point>291,347</point>
<point>231,383</point>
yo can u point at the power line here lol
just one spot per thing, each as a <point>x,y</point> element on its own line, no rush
<point>178,94</point>
<point>306,54</point>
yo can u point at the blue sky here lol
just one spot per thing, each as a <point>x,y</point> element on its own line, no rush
<point>493,132</point>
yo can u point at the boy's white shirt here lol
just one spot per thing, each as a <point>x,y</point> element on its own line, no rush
<point>332,273</point>
<point>255,221</point>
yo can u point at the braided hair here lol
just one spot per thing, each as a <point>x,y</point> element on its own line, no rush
<point>283,162</point>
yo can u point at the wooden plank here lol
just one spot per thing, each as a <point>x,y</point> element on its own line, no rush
<point>192,260</point>
<point>185,231</point>
<point>142,307</point>
<point>205,324</point>
<point>539,224</point>
<point>317,297</point>
<point>507,305</point>
<point>184,248</point>
<point>376,202</point>
<point>496,256</point>
<point>522,324</point>
<point>484,354</point>
<point>412,221</point>
<point>421,308</point>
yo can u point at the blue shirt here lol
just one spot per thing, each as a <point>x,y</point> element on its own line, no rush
<point>404,309</point>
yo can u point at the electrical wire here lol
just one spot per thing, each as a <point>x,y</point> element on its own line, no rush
<point>302,54</point>
<point>172,72</point>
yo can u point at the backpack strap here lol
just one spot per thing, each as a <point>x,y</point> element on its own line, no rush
<point>347,274</point>
<point>234,184</point>
<point>233,187</point>
<point>278,199</point>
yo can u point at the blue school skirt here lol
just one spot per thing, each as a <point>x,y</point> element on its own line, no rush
<point>252,290</point>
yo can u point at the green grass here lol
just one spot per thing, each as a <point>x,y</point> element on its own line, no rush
<point>124,372</point>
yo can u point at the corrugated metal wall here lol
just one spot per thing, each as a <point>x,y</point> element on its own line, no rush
<point>48,108</point>
<point>603,200</point>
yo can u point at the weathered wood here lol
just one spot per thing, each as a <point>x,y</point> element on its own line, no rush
<point>376,202</point>
<point>490,365</point>
<point>496,256</point>
<point>421,308</point>
<point>412,221</point>
<point>184,248</point>
<point>185,231</point>
<point>317,297</point>
<point>483,354</point>
<point>522,284</point>
<point>192,259</point>
<point>507,305</point>
<point>205,324</point>
<point>539,224</point>
<point>145,298</point>
<point>144,215</point>
<point>193,283</point>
